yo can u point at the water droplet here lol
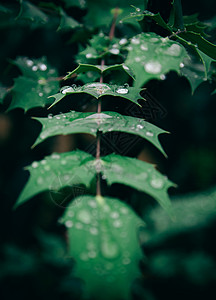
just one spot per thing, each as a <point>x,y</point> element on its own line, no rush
<point>55,156</point>
<point>43,162</point>
<point>174,50</point>
<point>149,133</point>
<point>63,162</point>
<point>117,223</point>
<point>109,249</point>
<point>78,225</point>
<point>58,117</point>
<point>130,48</point>
<point>122,90</point>
<point>138,9</point>
<point>93,230</point>
<point>114,51</point>
<point>154,40</point>
<point>66,90</point>
<point>69,224</point>
<point>157,183</point>
<point>135,41</point>
<point>114,215</point>
<point>126,261</point>
<point>104,177</point>
<point>99,87</point>
<point>89,55</point>
<point>92,203</point>
<point>99,116</point>
<point>50,116</point>
<point>47,168</point>
<point>181,65</point>
<point>84,216</point>
<point>92,254</point>
<point>40,180</point>
<point>144,47</point>
<point>29,62</point>
<point>41,94</point>
<point>70,213</point>
<point>125,67</point>
<point>124,210</point>
<point>42,67</point>
<point>34,164</point>
<point>139,126</point>
<point>153,67</point>
<point>162,77</point>
<point>34,68</point>
<point>137,59</point>
<point>123,41</point>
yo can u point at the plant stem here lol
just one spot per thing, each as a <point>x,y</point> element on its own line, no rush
<point>98,191</point>
<point>112,29</point>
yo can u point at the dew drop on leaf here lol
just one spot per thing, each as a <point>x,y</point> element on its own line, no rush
<point>50,116</point>
<point>114,51</point>
<point>144,47</point>
<point>162,77</point>
<point>69,224</point>
<point>29,62</point>
<point>93,230</point>
<point>123,41</point>
<point>181,65</point>
<point>89,55</point>
<point>154,40</point>
<point>173,50</point>
<point>34,164</point>
<point>153,67</point>
<point>114,215</point>
<point>84,216</point>
<point>40,94</point>
<point>139,126</point>
<point>34,68</point>
<point>42,67</point>
<point>66,90</point>
<point>157,183</point>
<point>109,249</point>
<point>135,41</point>
<point>149,133</point>
<point>122,91</point>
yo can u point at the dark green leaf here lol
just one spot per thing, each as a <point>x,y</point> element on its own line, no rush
<point>77,122</point>
<point>30,12</point>
<point>67,22</point>
<point>38,82</point>
<point>138,175</point>
<point>79,3</point>
<point>98,90</point>
<point>55,172</point>
<point>108,253</point>
<point>150,57</point>
<point>83,68</point>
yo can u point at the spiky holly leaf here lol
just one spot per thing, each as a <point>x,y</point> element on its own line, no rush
<point>108,253</point>
<point>98,90</point>
<point>193,24</point>
<point>83,68</point>
<point>140,175</point>
<point>55,172</point>
<point>78,122</point>
<point>37,83</point>
<point>31,13</point>
<point>150,57</point>
<point>67,22</point>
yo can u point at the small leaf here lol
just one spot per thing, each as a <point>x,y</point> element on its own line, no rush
<point>77,122</point>
<point>67,22</point>
<point>98,90</point>
<point>150,57</point>
<point>108,253</point>
<point>32,13</point>
<point>38,82</point>
<point>55,172</point>
<point>203,45</point>
<point>82,68</point>
<point>137,174</point>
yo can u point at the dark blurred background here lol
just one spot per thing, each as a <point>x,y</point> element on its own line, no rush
<point>31,240</point>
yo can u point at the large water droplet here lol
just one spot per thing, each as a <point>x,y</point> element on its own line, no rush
<point>149,133</point>
<point>66,90</point>
<point>69,224</point>
<point>139,126</point>
<point>99,87</point>
<point>84,216</point>
<point>174,50</point>
<point>42,67</point>
<point>109,249</point>
<point>157,183</point>
<point>122,90</point>
<point>123,41</point>
<point>99,116</point>
<point>114,51</point>
<point>89,55</point>
<point>153,67</point>
<point>34,164</point>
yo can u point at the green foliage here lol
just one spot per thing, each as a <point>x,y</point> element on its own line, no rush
<point>108,253</point>
<point>103,232</point>
<point>36,84</point>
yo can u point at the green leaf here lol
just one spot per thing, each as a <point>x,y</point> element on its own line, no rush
<point>196,39</point>
<point>55,172</point>
<point>137,174</point>
<point>108,253</point>
<point>32,13</point>
<point>193,24</point>
<point>83,68</point>
<point>36,84</point>
<point>150,57</point>
<point>67,22</point>
<point>97,16</point>
<point>79,3</point>
<point>98,90</point>
<point>78,122</point>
